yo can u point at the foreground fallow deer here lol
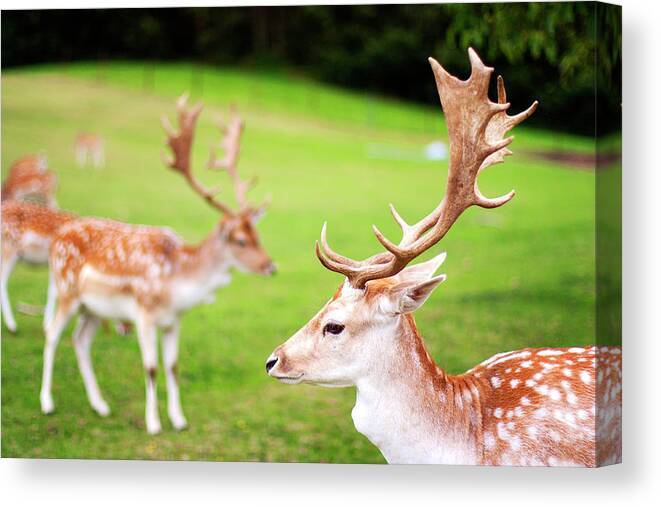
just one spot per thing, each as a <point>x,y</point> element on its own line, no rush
<point>90,147</point>
<point>148,275</point>
<point>29,179</point>
<point>27,230</point>
<point>526,407</point>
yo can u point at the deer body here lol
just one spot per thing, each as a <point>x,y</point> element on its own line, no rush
<point>530,407</point>
<point>147,276</point>
<point>118,270</point>
<point>27,231</point>
<point>466,420</point>
<point>527,407</point>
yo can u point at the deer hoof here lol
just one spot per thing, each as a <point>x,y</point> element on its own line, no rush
<point>101,408</point>
<point>179,423</point>
<point>47,405</point>
<point>154,428</point>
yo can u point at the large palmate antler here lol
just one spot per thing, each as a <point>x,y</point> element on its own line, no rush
<point>181,142</point>
<point>476,130</point>
<point>231,144</point>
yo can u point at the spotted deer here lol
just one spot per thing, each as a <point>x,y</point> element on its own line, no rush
<point>29,179</point>
<point>90,147</point>
<point>526,407</point>
<point>148,275</point>
<point>27,230</point>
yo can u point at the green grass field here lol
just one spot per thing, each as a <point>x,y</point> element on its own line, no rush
<point>519,276</point>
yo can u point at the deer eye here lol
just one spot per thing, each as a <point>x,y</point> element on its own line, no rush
<point>333,328</point>
<point>240,242</point>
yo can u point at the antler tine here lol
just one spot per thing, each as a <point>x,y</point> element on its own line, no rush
<point>167,126</point>
<point>501,124</point>
<point>331,254</point>
<point>180,142</point>
<point>344,268</point>
<point>231,144</point>
<point>476,130</point>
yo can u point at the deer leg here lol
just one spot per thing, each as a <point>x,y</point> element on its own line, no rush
<point>170,346</point>
<point>81,155</point>
<point>147,339</point>
<point>82,339</point>
<point>51,298</point>
<point>8,263</point>
<point>65,310</point>
<point>99,159</point>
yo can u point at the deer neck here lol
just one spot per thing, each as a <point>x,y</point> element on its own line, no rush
<point>412,411</point>
<point>202,269</point>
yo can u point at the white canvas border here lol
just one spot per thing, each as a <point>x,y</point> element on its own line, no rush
<point>100,483</point>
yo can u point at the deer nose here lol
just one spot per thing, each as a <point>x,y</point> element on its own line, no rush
<point>270,363</point>
<point>270,269</point>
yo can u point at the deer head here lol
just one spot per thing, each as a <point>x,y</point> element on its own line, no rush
<point>366,324</point>
<point>356,331</point>
<point>236,232</point>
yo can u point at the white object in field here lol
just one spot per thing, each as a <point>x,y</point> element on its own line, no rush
<point>436,150</point>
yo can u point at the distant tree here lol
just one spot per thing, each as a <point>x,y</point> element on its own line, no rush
<point>546,51</point>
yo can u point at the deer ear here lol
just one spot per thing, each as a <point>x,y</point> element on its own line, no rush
<point>224,229</point>
<point>423,270</point>
<point>258,214</point>
<point>413,296</point>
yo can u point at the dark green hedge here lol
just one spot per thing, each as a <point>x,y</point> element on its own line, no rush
<point>545,51</point>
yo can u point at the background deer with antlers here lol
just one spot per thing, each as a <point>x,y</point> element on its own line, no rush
<point>527,407</point>
<point>149,276</point>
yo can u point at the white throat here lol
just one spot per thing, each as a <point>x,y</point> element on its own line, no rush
<point>189,291</point>
<point>402,412</point>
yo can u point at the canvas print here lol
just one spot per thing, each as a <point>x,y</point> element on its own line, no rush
<point>188,195</point>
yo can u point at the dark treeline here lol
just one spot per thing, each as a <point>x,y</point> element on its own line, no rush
<point>545,51</point>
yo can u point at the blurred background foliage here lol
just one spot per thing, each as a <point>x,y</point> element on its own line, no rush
<point>546,50</point>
